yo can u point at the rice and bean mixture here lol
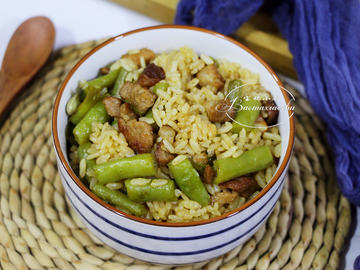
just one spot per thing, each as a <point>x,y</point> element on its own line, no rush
<point>185,88</point>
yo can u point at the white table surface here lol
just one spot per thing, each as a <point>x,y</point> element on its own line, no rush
<point>82,20</point>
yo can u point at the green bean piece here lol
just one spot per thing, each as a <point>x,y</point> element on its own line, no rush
<point>93,94</point>
<point>73,104</point>
<point>149,114</point>
<point>145,190</point>
<point>142,165</point>
<point>251,161</point>
<point>216,62</point>
<point>148,118</point>
<point>163,86</point>
<point>119,199</point>
<point>115,92</point>
<point>233,92</point>
<point>188,180</point>
<point>247,115</point>
<point>83,129</point>
<point>114,123</point>
<point>104,81</point>
<point>83,154</point>
<point>134,109</point>
<point>82,150</point>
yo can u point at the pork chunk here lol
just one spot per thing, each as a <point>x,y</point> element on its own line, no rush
<point>244,185</point>
<point>261,123</point>
<point>272,112</point>
<point>112,106</point>
<point>210,76</point>
<point>220,111</point>
<point>104,70</point>
<point>201,159</point>
<point>139,97</point>
<point>138,134</point>
<point>162,156</point>
<point>126,113</point>
<point>209,174</point>
<point>224,197</point>
<point>147,54</point>
<point>151,75</point>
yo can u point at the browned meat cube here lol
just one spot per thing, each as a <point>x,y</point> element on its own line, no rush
<point>209,75</point>
<point>138,134</point>
<point>151,75</point>
<point>163,157</point>
<point>209,174</point>
<point>147,54</point>
<point>221,111</point>
<point>112,106</point>
<point>104,70</point>
<point>126,113</point>
<point>244,185</point>
<point>261,123</point>
<point>201,159</point>
<point>272,112</point>
<point>139,97</point>
<point>224,197</point>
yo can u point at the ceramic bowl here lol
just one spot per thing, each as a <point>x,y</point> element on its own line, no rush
<point>159,242</point>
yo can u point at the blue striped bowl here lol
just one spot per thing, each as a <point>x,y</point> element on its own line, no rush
<point>158,242</point>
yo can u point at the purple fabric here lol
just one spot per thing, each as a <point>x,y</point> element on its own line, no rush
<point>324,37</point>
<point>357,263</point>
<point>213,14</point>
<point>325,41</point>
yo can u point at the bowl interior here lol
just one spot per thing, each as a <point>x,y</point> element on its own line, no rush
<point>168,38</point>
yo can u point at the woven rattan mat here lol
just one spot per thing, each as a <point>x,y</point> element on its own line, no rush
<point>38,229</point>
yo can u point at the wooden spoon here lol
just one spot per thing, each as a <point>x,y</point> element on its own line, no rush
<point>27,51</point>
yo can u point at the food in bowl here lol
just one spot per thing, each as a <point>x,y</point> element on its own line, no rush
<point>159,241</point>
<point>173,136</point>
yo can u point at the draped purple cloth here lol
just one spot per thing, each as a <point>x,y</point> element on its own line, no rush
<point>324,37</point>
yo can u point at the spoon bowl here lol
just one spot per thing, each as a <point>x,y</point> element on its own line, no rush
<point>27,51</point>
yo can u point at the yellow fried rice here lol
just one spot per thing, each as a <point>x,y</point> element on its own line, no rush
<point>182,107</point>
